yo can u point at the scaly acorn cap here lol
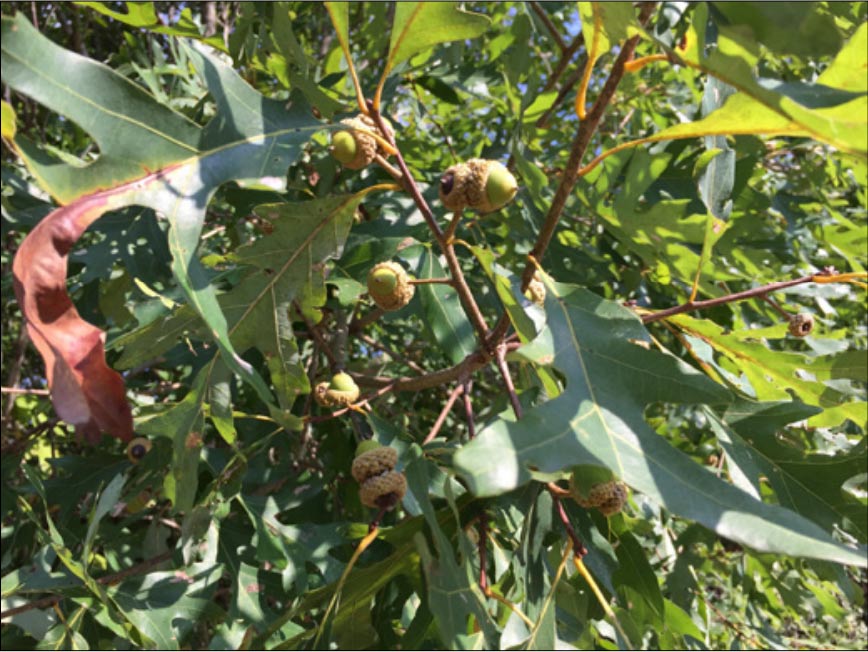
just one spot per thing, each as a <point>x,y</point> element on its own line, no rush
<point>138,448</point>
<point>340,392</point>
<point>384,490</point>
<point>355,148</point>
<point>373,463</point>
<point>801,325</point>
<point>389,286</point>
<point>480,184</point>
<point>608,497</point>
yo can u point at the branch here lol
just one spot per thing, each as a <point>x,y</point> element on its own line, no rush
<point>570,176</point>
<point>544,17</point>
<point>729,298</point>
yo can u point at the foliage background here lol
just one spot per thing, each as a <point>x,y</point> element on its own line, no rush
<point>238,535</point>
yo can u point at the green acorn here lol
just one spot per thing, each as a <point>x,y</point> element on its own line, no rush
<point>354,148</point>
<point>389,286</point>
<point>340,392</point>
<point>480,184</point>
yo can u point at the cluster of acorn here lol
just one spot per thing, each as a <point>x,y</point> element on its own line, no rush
<point>380,486</point>
<point>477,184</point>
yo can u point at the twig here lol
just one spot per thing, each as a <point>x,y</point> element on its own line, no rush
<point>316,334</point>
<point>430,281</point>
<point>729,298</point>
<point>571,171</point>
<point>370,341</point>
<point>468,409</point>
<point>543,16</point>
<point>578,547</point>
<point>358,324</point>
<point>460,284</point>
<point>500,358</point>
<point>774,304</point>
<point>22,390</point>
<point>441,418</point>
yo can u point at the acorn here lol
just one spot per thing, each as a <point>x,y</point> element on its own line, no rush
<point>608,497</point>
<point>138,448</point>
<point>801,325</point>
<point>340,392</point>
<point>353,147</point>
<point>380,486</point>
<point>383,491</point>
<point>482,185</point>
<point>389,286</point>
<point>536,290</point>
<point>612,497</point>
<point>372,459</point>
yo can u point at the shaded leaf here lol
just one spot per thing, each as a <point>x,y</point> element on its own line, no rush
<point>599,420</point>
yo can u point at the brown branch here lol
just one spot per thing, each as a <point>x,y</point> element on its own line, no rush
<point>500,358</point>
<point>114,578</point>
<point>550,26</point>
<point>460,284</point>
<point>370,341</point>
<point>570,176</point>
<point>578,547</point>
<point>441,418</point>
<point>690,306</point>
<point>468,409</point>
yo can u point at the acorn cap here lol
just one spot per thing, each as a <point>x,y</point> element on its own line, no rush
<point>373,463</point>
<point>479,184</point>
<point>801,325</point>
<point>384,490</point>
<point>355,148</point>
<point>389,286</point>
<point>609,497</point>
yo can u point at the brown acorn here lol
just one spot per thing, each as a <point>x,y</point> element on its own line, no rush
<point>801,325</point>
<point>138,448</point>
<point>389,286</point>
<point>380,486</point>
<point>480,184</point>
<point>374,461</point>
<point>354,147</point>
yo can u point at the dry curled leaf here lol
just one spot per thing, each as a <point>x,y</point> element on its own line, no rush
<point>85,391</point>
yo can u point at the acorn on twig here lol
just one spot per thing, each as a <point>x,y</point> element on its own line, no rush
<point>482,185</point>
<point>801,324</point>
<point>355,148</point>
<point>341,391</point>
<point>389,286</point>
<point>380,486</point>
